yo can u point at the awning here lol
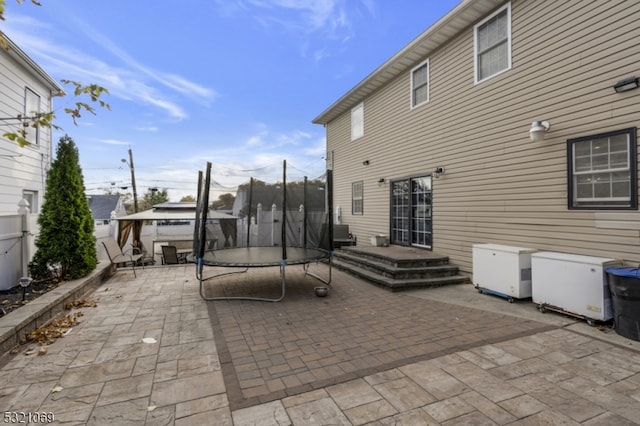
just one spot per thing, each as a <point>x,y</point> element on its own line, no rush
<point>177,214</point>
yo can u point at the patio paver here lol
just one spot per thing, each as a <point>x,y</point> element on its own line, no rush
<point>359,356</point>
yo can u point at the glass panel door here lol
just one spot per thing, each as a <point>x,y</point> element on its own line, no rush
<point>400,212</point>
<point>421,211</point>
<point>411,221</point>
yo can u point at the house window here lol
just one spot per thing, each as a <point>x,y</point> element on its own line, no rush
<point>31,109</point>
<point>357,121</point>
<point>357,197</point>
<point>32,199</point>
<point>493,44</point>
<point>602,171</point>
<point>420,84</point>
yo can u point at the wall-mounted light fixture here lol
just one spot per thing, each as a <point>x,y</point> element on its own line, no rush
<point>626,84</point>
<point>365,163</point>
<point>538,129</point>
<point>439,171</point>
<point>381,181</point>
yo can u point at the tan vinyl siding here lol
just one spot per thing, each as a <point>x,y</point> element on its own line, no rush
<point>500,187</point>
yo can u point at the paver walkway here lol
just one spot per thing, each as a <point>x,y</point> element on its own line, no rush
<point>152,352</point>
<point>272,350</point>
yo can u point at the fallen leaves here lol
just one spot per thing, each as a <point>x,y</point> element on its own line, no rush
<point>56,328</point>
<point>81,303</point>
<point>52,331</point>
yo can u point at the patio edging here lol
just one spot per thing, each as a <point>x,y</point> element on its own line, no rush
<point>17,324</point>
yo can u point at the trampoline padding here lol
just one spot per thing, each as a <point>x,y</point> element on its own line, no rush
<point>247,257</point>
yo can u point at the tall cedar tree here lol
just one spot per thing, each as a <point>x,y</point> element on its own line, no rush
<point>66,224</point>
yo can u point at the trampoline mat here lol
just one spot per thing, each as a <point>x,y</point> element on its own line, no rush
<point>247,257</point>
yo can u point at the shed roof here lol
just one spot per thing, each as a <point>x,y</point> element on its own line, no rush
<point>466,13</point>
<point>102,205</point>
<point>173,214</point>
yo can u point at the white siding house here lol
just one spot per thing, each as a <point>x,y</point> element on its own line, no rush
<point>25,88</point>
<point>433,148</point>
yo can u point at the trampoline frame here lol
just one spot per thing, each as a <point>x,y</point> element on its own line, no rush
<point>200,231</point>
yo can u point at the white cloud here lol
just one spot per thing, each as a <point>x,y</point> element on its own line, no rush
<point>130,80</point>
<point>332,19</point>
<point>114,142</point>
<point>318,148</point>
<point>254,141</point>
<point>148,128</point>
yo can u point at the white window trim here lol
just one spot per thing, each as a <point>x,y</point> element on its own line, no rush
<point>32,197</point>
<point>32,97</point>
<point>357,197</point>
<point>357,121</point>
<point>428,84</point>
<point>475,44</point>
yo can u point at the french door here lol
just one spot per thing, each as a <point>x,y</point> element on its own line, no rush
<point>411,202</point>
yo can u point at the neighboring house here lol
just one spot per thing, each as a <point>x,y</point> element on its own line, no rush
<point>434,149</point>
<point>25,89</point>
<point>104,207</point>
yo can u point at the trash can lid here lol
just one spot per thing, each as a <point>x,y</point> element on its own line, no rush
<point>624,271</point>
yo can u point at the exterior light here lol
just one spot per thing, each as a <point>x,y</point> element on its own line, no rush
<point>626,84</point>
<point>24,283</point>
<point>538,129</point>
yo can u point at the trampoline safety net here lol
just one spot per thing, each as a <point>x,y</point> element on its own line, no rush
<point>274,224</point>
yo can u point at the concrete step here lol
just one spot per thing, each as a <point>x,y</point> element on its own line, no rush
<point>397,284</point>
<point>397,257</point>
<point>389,270</point>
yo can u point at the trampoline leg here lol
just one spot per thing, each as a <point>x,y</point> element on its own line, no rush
<point>261,299</point>
<point>318,277</point>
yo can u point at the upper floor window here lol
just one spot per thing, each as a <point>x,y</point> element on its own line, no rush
<point>493,44</point>
<point>420,84</point>
<point>357,121</point>
<point>31,109</point>
<point>602,171</point>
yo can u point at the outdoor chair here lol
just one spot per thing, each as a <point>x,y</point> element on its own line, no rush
<point>146,259</point>
<point>116,256</point>
<point>342,237</point>
<point>170,256</point>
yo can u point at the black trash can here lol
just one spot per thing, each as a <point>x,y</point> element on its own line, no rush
<point>624,285</point>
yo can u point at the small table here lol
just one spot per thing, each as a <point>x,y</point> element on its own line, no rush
<point>182,254</point>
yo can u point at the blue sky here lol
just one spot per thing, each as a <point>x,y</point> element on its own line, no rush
<point>233,82</point>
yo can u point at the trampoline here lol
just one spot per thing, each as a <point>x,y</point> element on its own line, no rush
<point>305,232</point>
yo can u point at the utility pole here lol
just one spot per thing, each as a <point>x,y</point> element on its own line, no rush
<point>133,180</point>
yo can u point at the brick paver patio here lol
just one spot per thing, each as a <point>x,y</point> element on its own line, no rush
<point>272,350</point>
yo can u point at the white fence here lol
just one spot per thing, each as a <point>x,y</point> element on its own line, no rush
<point>15,256</point>
<point>16,239</point>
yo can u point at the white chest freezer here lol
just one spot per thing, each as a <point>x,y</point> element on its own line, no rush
<point>573,284</point>
<point>502,270</point>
